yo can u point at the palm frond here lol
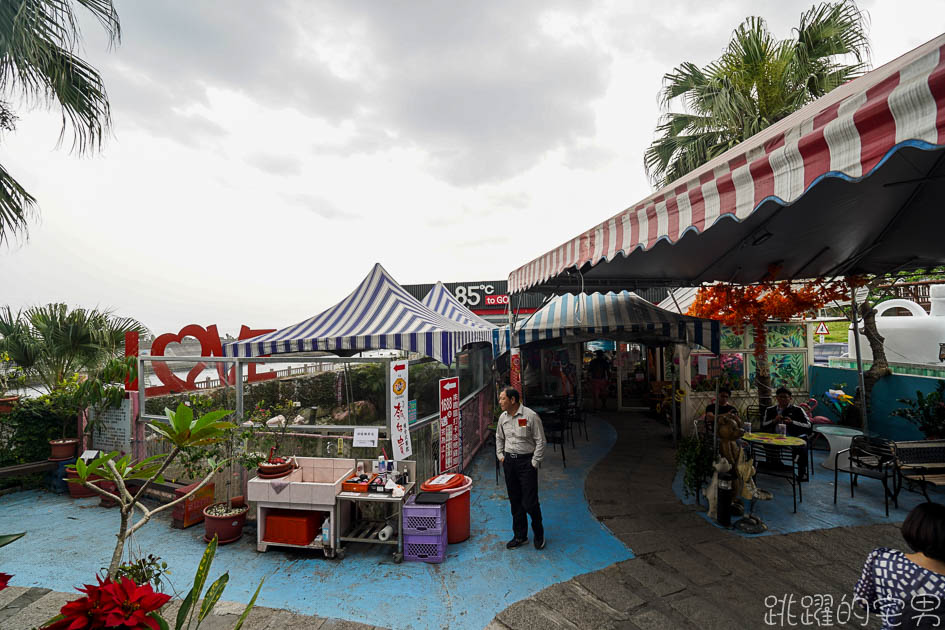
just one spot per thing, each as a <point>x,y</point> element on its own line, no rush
<point>16,207</point>
<point>757,81</point>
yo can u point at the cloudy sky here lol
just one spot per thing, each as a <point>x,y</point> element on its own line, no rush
<point>265,154</point>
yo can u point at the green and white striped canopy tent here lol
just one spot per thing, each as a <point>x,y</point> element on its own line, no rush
<point>620,316</point>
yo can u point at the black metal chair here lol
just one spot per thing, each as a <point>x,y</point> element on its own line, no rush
<point>776,461</point>
<point>871,457</point>
<point>556,427</point>
<point>575,415</point>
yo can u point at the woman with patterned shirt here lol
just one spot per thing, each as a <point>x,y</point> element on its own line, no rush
<point>908,589</point>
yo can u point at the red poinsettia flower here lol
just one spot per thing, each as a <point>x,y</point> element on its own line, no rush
<point>110,604</point>
<point>128,605</point>
<point>4,580</point>
<point>85,612</point>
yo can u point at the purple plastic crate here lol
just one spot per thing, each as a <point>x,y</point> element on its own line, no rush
<point>425,548</point>
<point>424,519</point>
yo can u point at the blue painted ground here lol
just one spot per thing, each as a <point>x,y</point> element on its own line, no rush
<point>69,540</point>
<point>818,511</point>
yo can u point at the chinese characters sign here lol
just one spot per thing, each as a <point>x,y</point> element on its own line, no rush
<point>365,436</point>
<point>399,428</point>
<point>515,371</point>
<point>450,445</point>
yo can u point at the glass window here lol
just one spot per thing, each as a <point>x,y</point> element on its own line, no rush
<point>733,371</point>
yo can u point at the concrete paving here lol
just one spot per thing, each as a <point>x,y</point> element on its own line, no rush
<point>686,573</point>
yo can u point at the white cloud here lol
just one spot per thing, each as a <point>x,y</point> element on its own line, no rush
<point>265,155</point>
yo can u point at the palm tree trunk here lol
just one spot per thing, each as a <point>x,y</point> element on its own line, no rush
<point>763,378</point>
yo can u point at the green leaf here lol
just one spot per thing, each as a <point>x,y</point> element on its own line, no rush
<point>182,419</point>
<point>6,539</point>
<point>185,607</point>
<point>210,418</point>
<point>203,568</point>
<point>213,596</point>
<point>160,621</point>
<point>249,606</point>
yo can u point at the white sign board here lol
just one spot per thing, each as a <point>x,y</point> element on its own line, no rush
<point>399,410</point>
<point>365,436</point>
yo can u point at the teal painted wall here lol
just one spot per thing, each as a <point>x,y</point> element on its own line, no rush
<point>885,398</point>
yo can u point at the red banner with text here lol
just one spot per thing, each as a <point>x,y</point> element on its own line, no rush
<point>450,443</point>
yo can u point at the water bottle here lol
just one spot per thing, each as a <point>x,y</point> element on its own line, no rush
<point>326,531</point>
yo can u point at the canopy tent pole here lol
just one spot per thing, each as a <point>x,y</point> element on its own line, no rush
<point>859,360</point>
<point>672,398</point>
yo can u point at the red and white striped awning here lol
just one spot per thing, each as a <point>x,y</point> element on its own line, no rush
<point>842,226</point>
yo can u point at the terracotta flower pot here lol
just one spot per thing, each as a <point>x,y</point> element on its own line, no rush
<point>7,403</point>
<point>77,490</point>
<point>227,528</point>
<point>61,450</point>
<point>108,486</point>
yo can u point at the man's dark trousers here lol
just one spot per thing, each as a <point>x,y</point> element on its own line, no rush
<point>521,481</point>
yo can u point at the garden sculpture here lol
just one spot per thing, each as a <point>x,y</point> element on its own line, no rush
<point>711,493</point>
<point>729,430</point>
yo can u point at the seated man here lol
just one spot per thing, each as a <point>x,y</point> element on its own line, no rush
<point>798,425</point>
<point>722,407</point>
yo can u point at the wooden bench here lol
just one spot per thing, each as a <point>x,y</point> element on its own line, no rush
<point>26,469</point>
<point>921,463</point>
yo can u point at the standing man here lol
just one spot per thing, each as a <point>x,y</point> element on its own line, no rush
<point>798,425</point>
<point>599,368</point>
<point>520,446</point>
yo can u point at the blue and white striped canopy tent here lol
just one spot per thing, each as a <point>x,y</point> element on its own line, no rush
<point>378,314</point>
<point>621,316</point>
<point>440,300</point>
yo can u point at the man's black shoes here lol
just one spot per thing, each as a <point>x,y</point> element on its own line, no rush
<point>539,543</point>
<point>515,542</point>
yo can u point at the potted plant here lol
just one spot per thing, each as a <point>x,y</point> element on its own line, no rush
<point>182,431</point>
<point>9,376</point>
<point>695,457</point>
<point>926,411</point>
<point>224,519</point>
<point>273,424</point>
<point>65,402</point>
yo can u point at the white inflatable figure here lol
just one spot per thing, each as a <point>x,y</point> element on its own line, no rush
<point>711,493</point>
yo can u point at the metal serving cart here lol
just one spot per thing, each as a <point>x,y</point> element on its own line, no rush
<point>364,529</point>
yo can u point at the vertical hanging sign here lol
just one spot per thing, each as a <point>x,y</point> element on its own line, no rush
<point>449,424</point>
<point>515,370</point>
<point>399,425</point>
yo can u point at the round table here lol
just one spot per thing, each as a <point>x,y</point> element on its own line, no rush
<point>839,438</point>
<point>773,439</point>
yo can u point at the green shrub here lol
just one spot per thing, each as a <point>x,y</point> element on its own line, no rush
<point>25,432</point>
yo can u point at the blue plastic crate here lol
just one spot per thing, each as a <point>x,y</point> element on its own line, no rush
<point>424,519</point>
<point>425,548</point>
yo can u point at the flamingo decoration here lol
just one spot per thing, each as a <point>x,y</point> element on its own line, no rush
<point>809,407</point>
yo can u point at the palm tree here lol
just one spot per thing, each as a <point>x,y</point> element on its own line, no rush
<point>38,41</point>
<point>51,343</point>
<point>757,81</point>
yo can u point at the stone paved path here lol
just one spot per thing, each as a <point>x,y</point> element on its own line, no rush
<point>688,573</point>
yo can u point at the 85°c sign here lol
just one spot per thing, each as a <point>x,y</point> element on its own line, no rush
<point>472,294</point>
